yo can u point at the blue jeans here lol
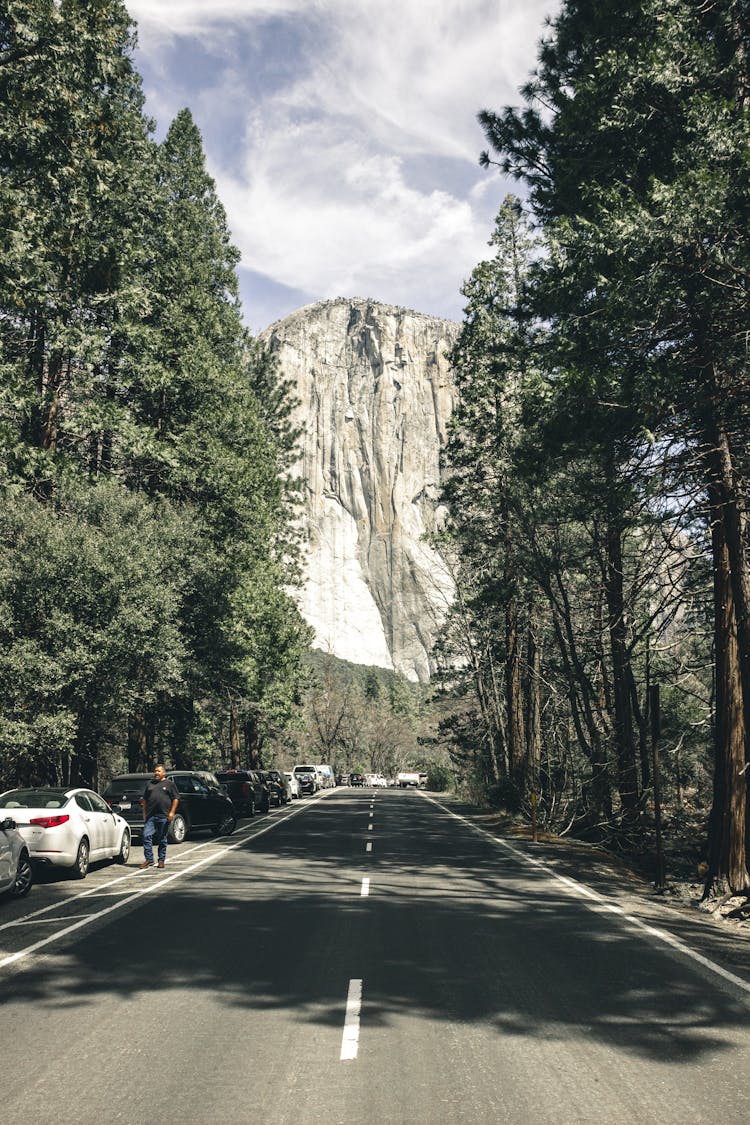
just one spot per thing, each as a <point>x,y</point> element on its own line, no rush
<point>156,827</point>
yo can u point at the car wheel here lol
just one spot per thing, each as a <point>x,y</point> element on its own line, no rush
<point>80,868</point>
<point>124,852</point>
<point>227,826</point>
<point>265,806</point>
<point>24,877</point>
<point>251,808</point>
<point>177,829</point>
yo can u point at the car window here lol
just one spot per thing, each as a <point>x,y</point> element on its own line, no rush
<point>98,804</point>
<point>198,785</point>
<point>120,786</point>
<point>184,784</point>
<point>83,802</point>
<point>33,799</point>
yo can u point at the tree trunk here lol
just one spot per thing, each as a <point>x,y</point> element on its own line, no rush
<point>534,710</point>
<point>140,746</point>
<point>627,773</point>
<point>727,855</point>
<point>234,735</point>
<point>514,695</point>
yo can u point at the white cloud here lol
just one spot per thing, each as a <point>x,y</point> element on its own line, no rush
<point>328,195</point>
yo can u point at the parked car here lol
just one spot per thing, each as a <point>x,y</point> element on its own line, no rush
<point>16,871</point>
<point>357,779</point>
<point>342,779</point>
<point>276,787</point>
<point>203,803</point>
<point>308,782</point>
<point>241,787</point>
<point>293,784</point>
<point>279,778</point>
<point>308,779</point>
<point>67,827</point>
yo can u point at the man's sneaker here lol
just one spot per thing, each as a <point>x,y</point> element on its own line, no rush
<point>160,863</point>
<point>147,863</point>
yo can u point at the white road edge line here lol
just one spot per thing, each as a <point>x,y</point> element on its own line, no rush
<point>350,1038</point>
<point>156,885</point>
<point>598,901</point>
<point>364,892</point>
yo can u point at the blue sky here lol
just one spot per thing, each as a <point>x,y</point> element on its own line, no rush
<point>342,135</point>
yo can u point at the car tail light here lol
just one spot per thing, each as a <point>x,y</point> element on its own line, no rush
<point>245,789</point>
<point>49,821</point>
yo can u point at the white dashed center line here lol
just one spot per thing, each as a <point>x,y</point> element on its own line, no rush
<point>365,888</point>
<point>350,1038</point>
<point>368,846</point>
<point>369,828</point>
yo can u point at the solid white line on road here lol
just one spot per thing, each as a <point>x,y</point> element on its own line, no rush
<point>156,885</point>
<point>350,1038</point>
<point>599,902</point>
<point>137,873</point>
<point>368,846</point>
<point>50,921</point>
<point>365,888</point>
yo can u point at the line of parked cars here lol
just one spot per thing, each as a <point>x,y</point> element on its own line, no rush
<point>72,827</point>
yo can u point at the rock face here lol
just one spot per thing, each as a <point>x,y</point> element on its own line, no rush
<point>375,395</point>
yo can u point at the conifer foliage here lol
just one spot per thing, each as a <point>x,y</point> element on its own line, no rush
<point>633,146</point>
<point>144,537</point>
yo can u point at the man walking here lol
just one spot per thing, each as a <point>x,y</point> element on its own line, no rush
<point>159,802</point>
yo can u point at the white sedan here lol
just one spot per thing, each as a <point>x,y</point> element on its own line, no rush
<point>16,874</point>
<point>67,827</point>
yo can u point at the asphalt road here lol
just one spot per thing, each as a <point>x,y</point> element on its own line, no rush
<point>364,957</point>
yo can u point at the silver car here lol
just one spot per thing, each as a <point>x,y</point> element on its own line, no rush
<point>67,827</point>
<point>16,872</point>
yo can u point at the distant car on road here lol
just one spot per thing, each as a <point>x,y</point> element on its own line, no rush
<point>16,871</point>
<point>277,786</point>
<point>67,827</point>
<point>203,803</point>
<point>293,783</point>
<point>357,779</point>
<point>240,786</point>
<point>306,779</point>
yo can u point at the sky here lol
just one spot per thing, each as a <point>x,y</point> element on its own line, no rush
<point>342,136</point>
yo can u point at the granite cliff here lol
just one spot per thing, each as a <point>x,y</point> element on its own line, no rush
<point>375,395</point>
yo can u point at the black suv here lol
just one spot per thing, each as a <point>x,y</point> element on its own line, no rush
<point>203,802</point>
<point>247,791</point>
<point>356,779</point>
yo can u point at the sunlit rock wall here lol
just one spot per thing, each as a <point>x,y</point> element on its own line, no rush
<point>375,396</point>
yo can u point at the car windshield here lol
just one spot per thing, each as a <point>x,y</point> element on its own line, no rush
<point>34,799</point>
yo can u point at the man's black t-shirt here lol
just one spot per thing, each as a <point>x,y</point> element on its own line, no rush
<point>158,796</point>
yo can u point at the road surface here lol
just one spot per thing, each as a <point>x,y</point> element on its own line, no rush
<point>362,957</point>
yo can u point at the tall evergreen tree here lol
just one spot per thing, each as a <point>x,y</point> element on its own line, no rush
<point>638,161</point>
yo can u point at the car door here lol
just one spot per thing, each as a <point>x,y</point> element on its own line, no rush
<point>200,803</point>
<point>91,824</point>
<point>217,801</point>
<point>106,825</point>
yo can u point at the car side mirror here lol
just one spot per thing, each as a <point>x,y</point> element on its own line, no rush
<point>8,824</point>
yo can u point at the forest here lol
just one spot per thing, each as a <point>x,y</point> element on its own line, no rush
<point>597,466</point>
<point>596,663</point>
<point>146,540</point>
